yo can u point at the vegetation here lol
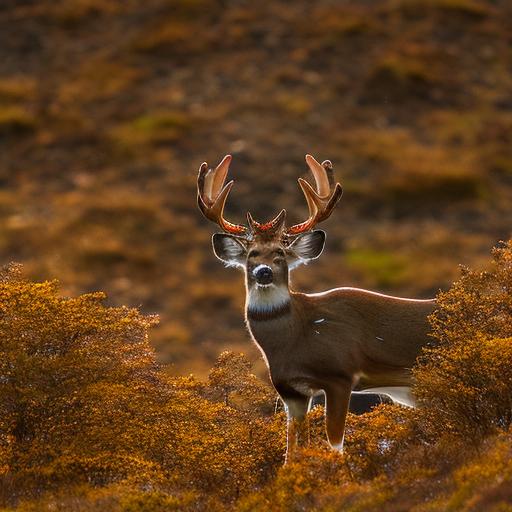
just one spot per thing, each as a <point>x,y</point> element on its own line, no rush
<point>16,121</point>
<point>90,421</point>
<point>467,380</point>
<point>106,111</point>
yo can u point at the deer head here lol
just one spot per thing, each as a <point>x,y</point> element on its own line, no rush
<point>268,251</point>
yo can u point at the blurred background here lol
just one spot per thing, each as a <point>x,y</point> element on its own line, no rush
<point>107,109</point>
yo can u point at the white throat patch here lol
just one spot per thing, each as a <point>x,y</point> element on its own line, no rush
<point>267,298</point>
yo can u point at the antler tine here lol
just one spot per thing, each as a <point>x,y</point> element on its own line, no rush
<point>276,225</point>
<point>321,201</point>
<point>212,195</point>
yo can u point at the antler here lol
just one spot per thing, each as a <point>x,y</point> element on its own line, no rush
<point>320,202</point>
<point>270,228</point>
<point>212,195</point>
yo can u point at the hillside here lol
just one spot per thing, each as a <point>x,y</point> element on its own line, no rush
<point>107,110</point>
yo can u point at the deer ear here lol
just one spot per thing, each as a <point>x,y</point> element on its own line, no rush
<point>229,249</point>
<point>307,247</point>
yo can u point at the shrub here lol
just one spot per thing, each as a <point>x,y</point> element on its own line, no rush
<point>83,402</point>
<point>465,382</point>
<point>89,421</point>
<point>231,381</point>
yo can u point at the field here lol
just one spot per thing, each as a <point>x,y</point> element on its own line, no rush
<point>107,110</point>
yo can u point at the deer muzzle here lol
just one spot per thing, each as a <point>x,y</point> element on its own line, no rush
<point>263,275</point>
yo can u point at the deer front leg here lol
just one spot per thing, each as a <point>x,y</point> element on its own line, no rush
<point>337,398</point>
<point>296,410</point>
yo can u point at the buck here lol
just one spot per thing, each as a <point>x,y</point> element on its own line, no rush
<point>331,342</point>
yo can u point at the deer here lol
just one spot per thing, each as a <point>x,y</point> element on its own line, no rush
<point>335,342</point>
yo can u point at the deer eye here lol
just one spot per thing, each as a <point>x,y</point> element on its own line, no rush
<point>254,254</point>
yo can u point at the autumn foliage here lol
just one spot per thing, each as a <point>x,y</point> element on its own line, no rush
<point>83,405</point>
<point>465,381</point>
<point>107,109</point>
<point>89,420</point>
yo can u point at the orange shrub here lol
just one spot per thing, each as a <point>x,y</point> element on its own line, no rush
<point>465,382</point>
<point>83,402</point>
<point>231,381</point>
<point>89,421</point>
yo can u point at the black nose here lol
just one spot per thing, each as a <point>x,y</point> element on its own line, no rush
<point>263,274</point>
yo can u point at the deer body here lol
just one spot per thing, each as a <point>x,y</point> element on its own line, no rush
<point>365,337</point>
<point>333,342</point>
<point>338,341</point>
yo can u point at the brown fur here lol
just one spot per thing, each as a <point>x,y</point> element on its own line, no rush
<point>332,342</point>
<point>337,341</point>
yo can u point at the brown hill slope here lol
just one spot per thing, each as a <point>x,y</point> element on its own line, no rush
<point>108,108</point>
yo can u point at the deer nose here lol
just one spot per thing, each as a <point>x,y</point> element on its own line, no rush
<point>263,274</point>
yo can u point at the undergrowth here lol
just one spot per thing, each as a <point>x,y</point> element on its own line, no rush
<point>90,421</point>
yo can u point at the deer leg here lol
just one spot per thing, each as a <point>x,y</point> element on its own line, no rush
<point>296,410</point>
<point>337,398</point>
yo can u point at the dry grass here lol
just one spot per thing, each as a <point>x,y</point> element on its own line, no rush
<point>71,13</point>
<point>174,37</point>
<point>413,171</point>
<point>16,121</point>
<point>475,9</point>
<point>109,102</point>
<point>99,79</point>
<point>17,89</point>
<point>159,128</point>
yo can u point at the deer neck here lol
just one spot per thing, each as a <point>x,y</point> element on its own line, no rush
<point>267,303</point>
<point>269,314</point>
